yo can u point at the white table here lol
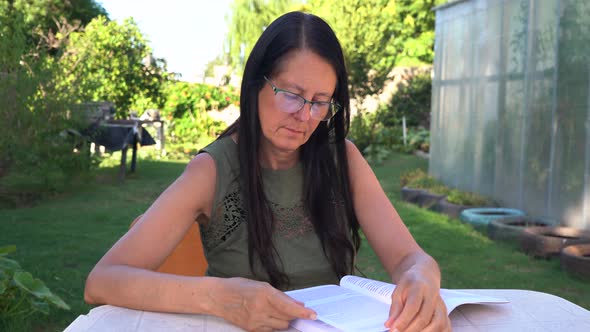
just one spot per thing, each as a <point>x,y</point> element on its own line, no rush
<point>527,311</point>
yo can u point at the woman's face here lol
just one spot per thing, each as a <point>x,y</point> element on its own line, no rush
<point>306,74</point>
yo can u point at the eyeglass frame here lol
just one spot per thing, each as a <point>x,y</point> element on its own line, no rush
<point>335,106</point>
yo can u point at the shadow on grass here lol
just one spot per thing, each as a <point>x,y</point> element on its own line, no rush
<point>469,259</point>
<point>61,238</point>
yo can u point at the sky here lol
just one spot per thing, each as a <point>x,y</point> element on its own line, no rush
<point>187,33</point>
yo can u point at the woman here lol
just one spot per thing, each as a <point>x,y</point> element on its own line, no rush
<point>279,197</point>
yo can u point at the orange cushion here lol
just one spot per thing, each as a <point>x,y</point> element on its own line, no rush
<point>188,257</point>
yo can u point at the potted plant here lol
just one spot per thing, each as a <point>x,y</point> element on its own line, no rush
<point>422,189</point>
<point>457,201</point>
<point>410,194</point>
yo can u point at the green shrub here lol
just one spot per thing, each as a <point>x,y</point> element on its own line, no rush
<point>418,178</point>
<point>194,128</point>
<point>410,176</point>
<point>21,295</point>
<point>372,138</point>
<point>431,184</point>
<point>376,154</point>
<point>418,139</point>
<point>185,109</point>
<point>40,152</point>
<point>467,198</point>
<point>421,180</point>
<point>374,133</point>
<point>411,100</point>
<point>361,131</point>
<point>184,97</point>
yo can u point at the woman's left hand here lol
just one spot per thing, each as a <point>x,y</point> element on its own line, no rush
<point>416,305</point>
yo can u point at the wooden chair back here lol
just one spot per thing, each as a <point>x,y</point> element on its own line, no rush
<point>188,258</point>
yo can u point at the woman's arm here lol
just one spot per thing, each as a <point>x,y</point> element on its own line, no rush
<point>416,299</point>
<point>125,276</point>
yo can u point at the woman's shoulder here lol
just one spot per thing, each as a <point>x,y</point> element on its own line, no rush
<point>222,156</point>
<point>209,156</point>
<point>223,144</point>
<point>357,165</point>
<point>352,152</point>
<point>224,152</point>
<point>201,165</point>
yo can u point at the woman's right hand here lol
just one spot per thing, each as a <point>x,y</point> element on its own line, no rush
<point>256,306</point>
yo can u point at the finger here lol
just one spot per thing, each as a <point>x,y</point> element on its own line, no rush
<point>409,311</point>
<point>298,302</point>
<point>281,315</point>
<point>440,322</point>
<point>429,305</point>
<point>264,329</point>
<point>420,321</point>
<point>277,324</point>
<point>283,303</point>
<point>396,307</point>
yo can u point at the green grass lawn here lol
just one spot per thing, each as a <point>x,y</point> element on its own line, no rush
<point>60,239</point>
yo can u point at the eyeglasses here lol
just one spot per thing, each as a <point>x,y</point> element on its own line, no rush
<point>290,102</point>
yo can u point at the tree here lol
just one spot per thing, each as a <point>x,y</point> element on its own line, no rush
<point>376,35</point>
<point>12,38</point>
<point>365,29</point>
<point>43,13</point>
<point>106,62</point>
<point>414,25</point>
<point>43,16</point>
<point>247,21</point>
<point>36,153</point>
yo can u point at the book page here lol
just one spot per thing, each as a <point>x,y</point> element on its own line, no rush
<point>377,289</point>
<point>382,291</point>
<point>343,309</point>
<point>111,318</point>
<point>454,298</point>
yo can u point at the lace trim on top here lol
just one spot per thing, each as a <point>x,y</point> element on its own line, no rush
<point>290,222</point>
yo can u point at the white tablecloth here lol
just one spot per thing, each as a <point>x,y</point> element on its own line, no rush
<point>527,311</point>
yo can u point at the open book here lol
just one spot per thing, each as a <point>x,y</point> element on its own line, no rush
<point>361,304</point>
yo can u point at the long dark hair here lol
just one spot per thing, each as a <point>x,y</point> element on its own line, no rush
<point>328,198</point>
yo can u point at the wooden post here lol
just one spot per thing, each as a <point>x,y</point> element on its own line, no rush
<point>134,152</point>
<point>162,139</point>
<point>123,166</point>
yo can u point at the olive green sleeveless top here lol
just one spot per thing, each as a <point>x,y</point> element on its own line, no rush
<point>225,234</point>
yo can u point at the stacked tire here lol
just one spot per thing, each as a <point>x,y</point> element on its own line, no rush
<point>511,228</point>
<point>537,237</point>
<point>481,217</point>
<point>541,239</point>
<point>575,260</point>
<point>546,242</point>
<point>421,197</point>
